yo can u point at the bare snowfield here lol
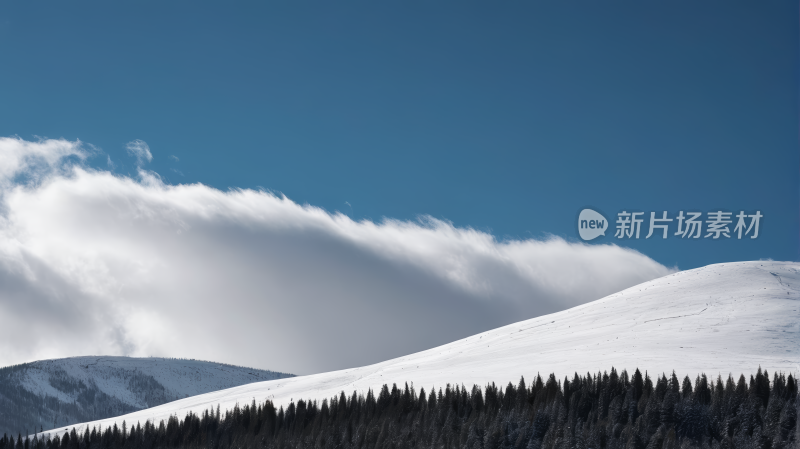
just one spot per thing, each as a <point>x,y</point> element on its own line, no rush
<point>719,319</point>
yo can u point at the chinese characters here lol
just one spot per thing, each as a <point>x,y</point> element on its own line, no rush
<point>689,225</point>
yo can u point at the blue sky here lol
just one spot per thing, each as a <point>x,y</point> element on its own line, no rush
<point>508,118</point>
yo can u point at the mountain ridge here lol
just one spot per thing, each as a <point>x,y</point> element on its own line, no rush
<point>52,392</point>
<point>718,319</point>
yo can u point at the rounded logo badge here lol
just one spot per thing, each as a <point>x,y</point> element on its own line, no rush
<point>591,224</point>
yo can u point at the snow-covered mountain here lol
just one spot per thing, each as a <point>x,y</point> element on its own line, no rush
<point>719,319</point>
<point>50,393</point>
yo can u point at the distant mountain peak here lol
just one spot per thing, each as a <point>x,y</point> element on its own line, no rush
<point>60,392</point>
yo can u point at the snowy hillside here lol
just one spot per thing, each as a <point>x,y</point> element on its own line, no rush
<point>50,393</point>
<point>719,319</point>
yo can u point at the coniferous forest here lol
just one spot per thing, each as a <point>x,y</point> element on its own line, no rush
<point>603,411</point>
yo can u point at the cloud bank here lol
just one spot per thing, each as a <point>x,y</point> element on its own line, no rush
<point>92,262</point>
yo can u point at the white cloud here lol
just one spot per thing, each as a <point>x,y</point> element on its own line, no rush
<point>140,150</point>
<point>96,263</point>
<point>34,160</point>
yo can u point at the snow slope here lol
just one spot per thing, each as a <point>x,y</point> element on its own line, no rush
<point>71,390</point>
<point>719,319</point>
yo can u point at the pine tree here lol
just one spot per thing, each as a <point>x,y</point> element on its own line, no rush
<point>702,393</point>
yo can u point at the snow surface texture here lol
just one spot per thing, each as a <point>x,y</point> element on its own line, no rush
<point>719,319</point>
<point>130,383</point>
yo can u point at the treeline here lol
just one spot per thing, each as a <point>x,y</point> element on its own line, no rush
<point>603,411</point>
